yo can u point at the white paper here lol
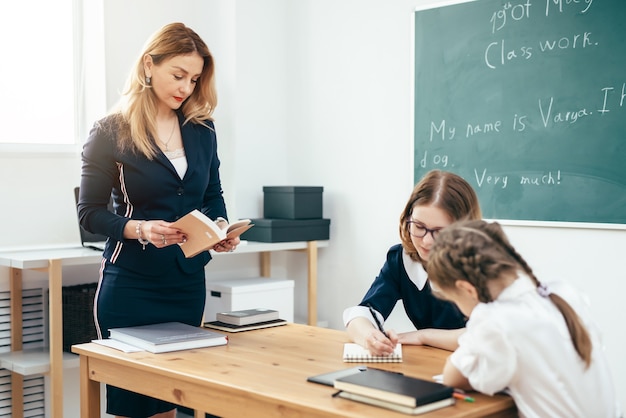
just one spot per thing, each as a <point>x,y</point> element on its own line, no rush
<point>118,345</point>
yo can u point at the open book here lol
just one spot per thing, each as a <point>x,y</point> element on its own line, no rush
<point>202,233</point>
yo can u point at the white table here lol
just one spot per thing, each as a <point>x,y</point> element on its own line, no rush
<point>51,260</point>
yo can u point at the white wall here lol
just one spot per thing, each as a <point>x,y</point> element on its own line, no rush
<point>313,92</point>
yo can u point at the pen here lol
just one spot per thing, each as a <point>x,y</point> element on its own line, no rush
<point>462,397</point>
<point>378,324</point>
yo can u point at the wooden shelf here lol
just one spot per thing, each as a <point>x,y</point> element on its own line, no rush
<point>52,261</point>
<point>34,361</point>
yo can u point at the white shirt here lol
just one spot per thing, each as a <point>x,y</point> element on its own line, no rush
<point>520,343</point>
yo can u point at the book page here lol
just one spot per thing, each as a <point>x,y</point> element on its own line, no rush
<point>237,228</point>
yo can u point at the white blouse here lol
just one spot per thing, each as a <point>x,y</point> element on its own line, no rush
<point>519,343</point>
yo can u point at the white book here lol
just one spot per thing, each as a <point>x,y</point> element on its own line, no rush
<point>168,336</point>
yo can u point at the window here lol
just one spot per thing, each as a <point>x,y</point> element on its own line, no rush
<point>43,73</point>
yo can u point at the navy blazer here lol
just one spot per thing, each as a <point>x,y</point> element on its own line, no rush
<point>146,189</point>
<point>424,309</point>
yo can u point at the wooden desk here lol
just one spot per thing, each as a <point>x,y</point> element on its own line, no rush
<point>51,260</point>
<point>260,374</point>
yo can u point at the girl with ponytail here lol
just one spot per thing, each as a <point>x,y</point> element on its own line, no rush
<point>532,340</point>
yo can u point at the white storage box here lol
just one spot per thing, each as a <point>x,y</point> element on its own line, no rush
<point>257,292</point>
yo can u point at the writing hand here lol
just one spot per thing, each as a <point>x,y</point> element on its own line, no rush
<point>379,344</point>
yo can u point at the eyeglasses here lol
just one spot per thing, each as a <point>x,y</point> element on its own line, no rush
<point>420,231</point>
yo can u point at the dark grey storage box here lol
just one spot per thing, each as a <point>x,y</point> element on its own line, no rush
<point>286,230</point>
<point>292,202</point>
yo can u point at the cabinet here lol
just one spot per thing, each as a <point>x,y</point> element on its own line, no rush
<point>51,261</point>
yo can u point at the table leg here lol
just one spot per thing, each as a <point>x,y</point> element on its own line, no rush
<point>266,263</point>
<point>89,392</point>
<point>17,380</point>
<point>311,252</point>
<point>55,282</point>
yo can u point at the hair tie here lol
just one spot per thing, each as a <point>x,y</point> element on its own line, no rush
<point>543,290</point>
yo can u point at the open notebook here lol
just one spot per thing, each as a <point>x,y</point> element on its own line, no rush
<point>89,240</point>
<point>354,353</point>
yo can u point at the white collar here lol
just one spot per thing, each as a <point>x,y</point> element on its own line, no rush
<point>415,271</point>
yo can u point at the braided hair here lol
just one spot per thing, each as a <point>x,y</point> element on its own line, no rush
<point>477,252</point>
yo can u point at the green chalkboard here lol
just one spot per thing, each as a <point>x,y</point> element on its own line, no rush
<point>527,101</point>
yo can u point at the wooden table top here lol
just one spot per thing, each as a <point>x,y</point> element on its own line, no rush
<point>263,373</point>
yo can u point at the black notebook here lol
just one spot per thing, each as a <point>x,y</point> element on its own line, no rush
<point>394,387</point>
<point>223,326</point>
<point>329,378</point>
<point>422,409</point>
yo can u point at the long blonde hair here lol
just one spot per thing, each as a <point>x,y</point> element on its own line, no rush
<point>477,252</point>
<point>136,111</point>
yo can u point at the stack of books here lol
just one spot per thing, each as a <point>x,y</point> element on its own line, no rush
<point>394,391</point>
<point>169,336</point>
<point>245,320</point>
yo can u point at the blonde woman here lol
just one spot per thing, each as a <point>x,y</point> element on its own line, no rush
<point>156,156</point>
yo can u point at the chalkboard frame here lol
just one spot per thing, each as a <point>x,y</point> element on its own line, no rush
<point>585,223</point>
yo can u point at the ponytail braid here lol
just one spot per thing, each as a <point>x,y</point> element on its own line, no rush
<point>466,249</point>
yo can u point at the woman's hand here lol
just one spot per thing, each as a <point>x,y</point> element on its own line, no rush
<point>161,235</point>
<point>227,245</point>
<point>157,232</point>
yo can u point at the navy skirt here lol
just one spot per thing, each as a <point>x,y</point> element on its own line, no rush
<point>125,298</point>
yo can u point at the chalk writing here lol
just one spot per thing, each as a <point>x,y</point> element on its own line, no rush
<point>497,53</point>
<point>551,5</point>
<point>515,12</point>
<point>487,127</point>
<point>567,42</point>
<point>526,99</point>
<point>437,160</point>
<point>570,116</point>
<point>484,179</point>
<point>501,181</point>
<point>608,92</point>
<point>442,131</point>
<point>542,180</point>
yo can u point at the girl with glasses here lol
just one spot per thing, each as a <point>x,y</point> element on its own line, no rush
<point>438,200</point>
